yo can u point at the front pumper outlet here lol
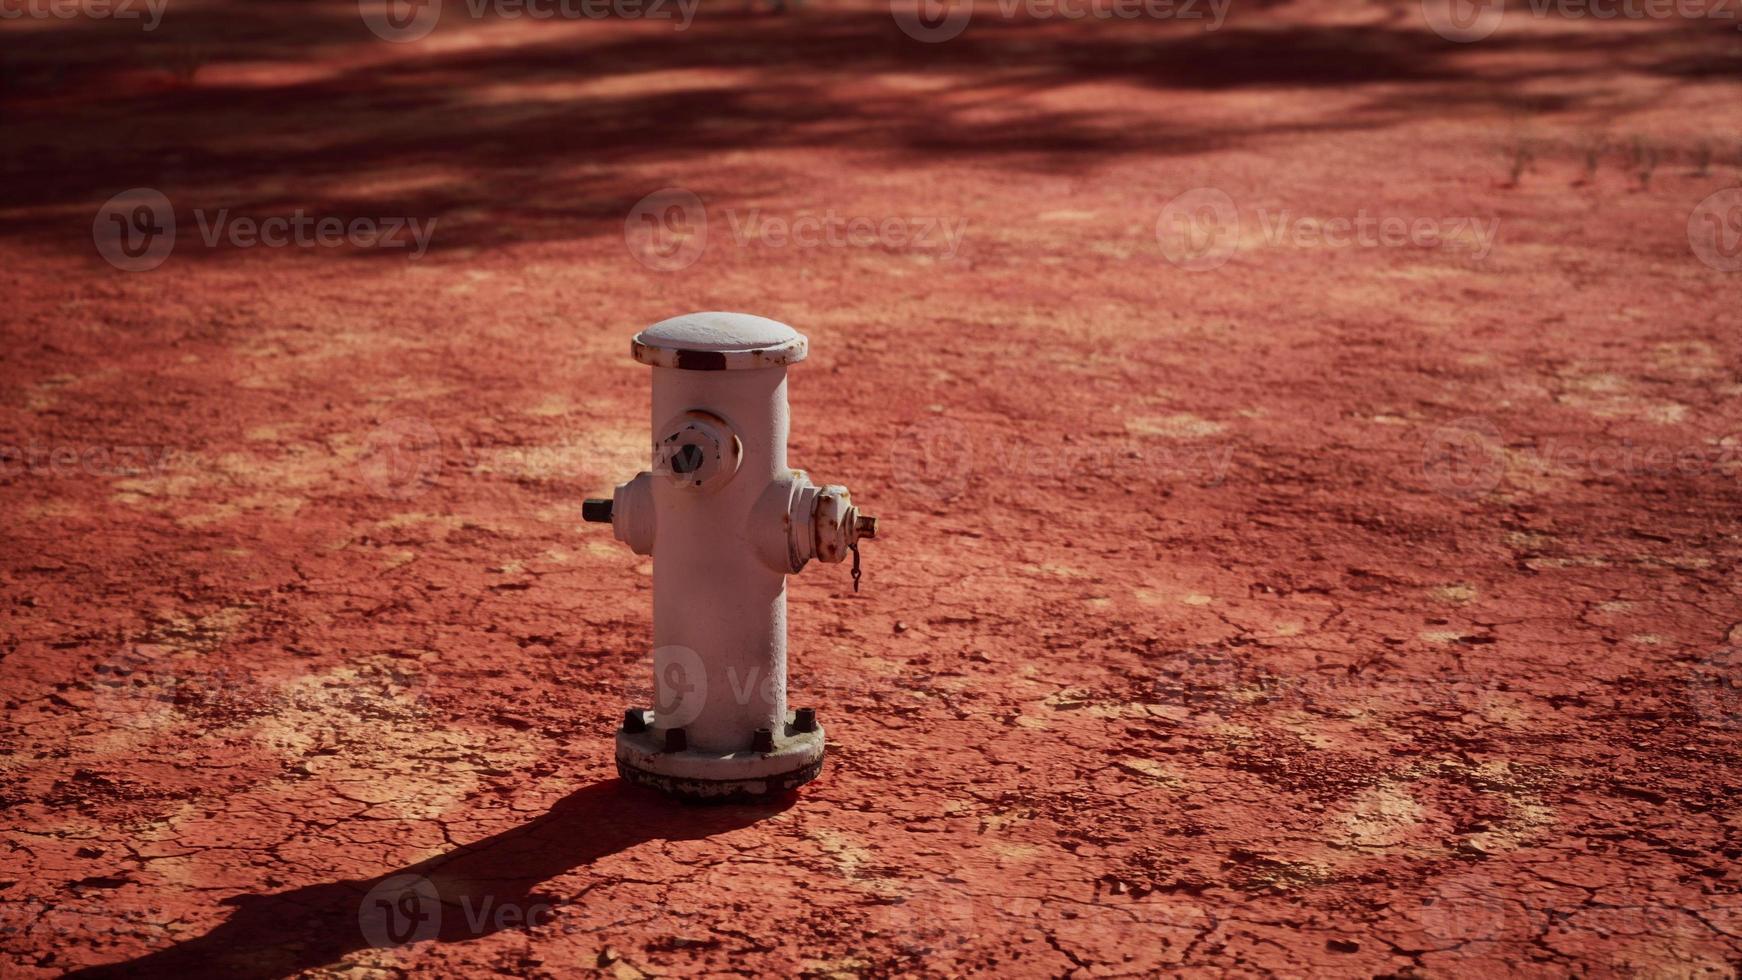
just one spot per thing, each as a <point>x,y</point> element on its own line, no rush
<point>726,522</point>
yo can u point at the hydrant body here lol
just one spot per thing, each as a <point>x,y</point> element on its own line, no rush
<point>726,521</point>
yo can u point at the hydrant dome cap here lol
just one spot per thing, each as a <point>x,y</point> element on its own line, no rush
<point>719,342</point>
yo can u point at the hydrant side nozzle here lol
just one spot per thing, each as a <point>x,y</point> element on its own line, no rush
<point>632,514</point>
<point>596,510</point>
<point>836,524</point>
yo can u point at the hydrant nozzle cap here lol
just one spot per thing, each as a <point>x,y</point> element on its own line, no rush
<point>719,342</point>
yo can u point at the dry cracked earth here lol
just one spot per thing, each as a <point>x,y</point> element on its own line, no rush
<point>1253,596</point>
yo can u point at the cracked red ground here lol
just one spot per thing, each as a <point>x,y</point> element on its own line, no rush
<point>1341,609</point>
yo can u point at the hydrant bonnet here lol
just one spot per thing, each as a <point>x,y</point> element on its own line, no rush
<point>719,342</point>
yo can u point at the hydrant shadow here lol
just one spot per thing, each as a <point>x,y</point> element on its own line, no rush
<point>453,897</point>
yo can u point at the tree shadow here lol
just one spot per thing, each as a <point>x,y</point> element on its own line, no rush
<point>553,135</point>
<point>471,891</point>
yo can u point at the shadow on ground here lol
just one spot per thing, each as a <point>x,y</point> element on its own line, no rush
<point>453,897</point>
<point>552,135</point>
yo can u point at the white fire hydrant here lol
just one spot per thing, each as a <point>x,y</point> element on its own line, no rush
<point>726,521</point>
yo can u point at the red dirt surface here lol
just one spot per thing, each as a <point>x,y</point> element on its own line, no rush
<point>1349,610</point>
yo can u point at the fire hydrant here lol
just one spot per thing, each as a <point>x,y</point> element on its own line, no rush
<point>726,522</point>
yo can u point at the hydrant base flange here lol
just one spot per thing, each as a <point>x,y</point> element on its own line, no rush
<point>721,790</point>
<point>720,777</point>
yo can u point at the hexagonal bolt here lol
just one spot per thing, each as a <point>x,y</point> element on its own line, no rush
<point>805,720</point>
<point>865,526</point>
<point>635,721</point>
<point>676,740</point>
<point>596,510</point>
<point>762,741</point>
